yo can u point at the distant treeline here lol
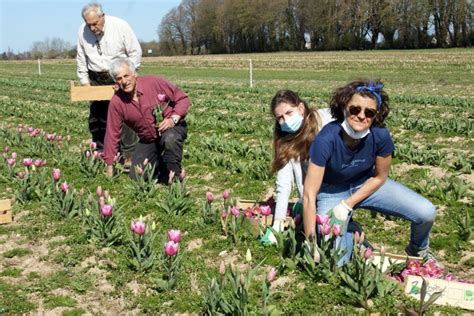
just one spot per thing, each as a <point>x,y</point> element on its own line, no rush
<point>238,26</point>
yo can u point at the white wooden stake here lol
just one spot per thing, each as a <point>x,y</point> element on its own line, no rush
<point>251,73</point>
<point>39,67</point>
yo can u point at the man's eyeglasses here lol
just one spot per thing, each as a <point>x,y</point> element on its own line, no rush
<point>369,113</point>
<point>99,50</point>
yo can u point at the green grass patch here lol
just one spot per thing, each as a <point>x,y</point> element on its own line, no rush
<point>17,252</point>
<point>59,301</point>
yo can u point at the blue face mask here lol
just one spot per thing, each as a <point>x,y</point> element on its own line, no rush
<point>293,123</point>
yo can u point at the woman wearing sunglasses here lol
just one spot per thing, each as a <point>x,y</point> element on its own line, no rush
<point>349,164</point>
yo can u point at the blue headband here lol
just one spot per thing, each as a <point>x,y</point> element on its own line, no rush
<point>375,89</point>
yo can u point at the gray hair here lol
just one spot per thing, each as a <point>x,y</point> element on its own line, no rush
<point>93,6</point>
<point>118,63</point>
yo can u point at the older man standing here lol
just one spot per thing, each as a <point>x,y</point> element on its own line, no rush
<point>102,39</point>
<point>155,109</point>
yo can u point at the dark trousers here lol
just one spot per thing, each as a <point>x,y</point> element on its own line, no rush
<point>98,119</point>
<point>165,153</point>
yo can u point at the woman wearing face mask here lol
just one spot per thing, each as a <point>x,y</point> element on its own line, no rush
<point>295,127</point>
<point>349,164</point>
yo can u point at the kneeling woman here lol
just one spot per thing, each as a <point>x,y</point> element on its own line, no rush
<point>295,127</point>
<point>349,164</point>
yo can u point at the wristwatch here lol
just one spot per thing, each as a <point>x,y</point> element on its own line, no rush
<point>175,120</point>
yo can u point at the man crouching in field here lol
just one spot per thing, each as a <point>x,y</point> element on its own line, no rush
<point>155,109</point>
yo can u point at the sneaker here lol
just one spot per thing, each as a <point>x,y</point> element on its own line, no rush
<point>426,254</point>
<point>127,165</point>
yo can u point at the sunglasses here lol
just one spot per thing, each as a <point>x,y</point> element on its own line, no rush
<point>369,113</point>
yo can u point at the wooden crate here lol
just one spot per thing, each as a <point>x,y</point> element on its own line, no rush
<point>393,258</point>
<point>91,93</point>
<point>6,215</point>
<point>455,293</point>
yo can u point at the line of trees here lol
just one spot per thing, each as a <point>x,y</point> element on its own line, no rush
<point>237,26</point>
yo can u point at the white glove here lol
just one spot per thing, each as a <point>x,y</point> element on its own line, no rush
<point>341,211</point>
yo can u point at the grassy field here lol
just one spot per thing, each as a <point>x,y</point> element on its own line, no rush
<point>49,263</point>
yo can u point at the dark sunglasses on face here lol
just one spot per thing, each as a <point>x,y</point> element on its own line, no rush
<point>369,113</point>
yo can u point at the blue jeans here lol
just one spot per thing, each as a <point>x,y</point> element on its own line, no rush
<point>392,198</point>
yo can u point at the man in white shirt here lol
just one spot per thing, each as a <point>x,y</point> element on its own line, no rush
<point>101,39</point>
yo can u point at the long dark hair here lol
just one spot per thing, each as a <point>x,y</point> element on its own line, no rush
<point>341,97</point>
<point>296,145</point>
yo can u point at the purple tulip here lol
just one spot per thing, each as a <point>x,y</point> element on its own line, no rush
<point>271,275</point>
<point>10,162</point>
<point>161,97</point>
<point>322,219</point>
<point>235,211</point>
<point>64,187</point>
<point>336,229</point>
<point>106,210</point>
<point>174,235</point>
<point>138,227</point>
<point>209,196</point>
<point>297,219</point>
<point>38,163</point>
<point>27,162</point>
<point>56,174</point>
<point>225,194</point>
<point>265,210</point>
<point>325,229</point>
<point>171,248</point>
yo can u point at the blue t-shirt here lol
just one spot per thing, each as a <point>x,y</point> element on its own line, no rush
<point>342,164</point>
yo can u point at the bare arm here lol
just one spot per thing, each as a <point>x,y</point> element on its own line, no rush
<point>312,184</point>
<point>382,168</point>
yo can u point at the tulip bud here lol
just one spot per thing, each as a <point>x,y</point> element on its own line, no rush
<point>222,268</point>
<point>106,194</point>
<point>64,187</point>
<point>248,256</point>
<point>316,255</point>
<point>325,229</point>
<point>242,280</point>
<point>235,211</point>
<point>98,191</point>
<point>59,138</point>
<point>56,175</point>
<point>139,171</point>
<point>101,201</point>
<point>6,149</point>
<point>10,162</point>
<point>145,162</point>
<point>322,219</point>
<point>171,248</point>
<point>93,145</point>
<point>297,219</point>
<point>210,197</point>
<point>87,212</point>
<point>138,227</point>
<point>271,275</point>
<point>265,210</point>
<point>224,214</point>
<point>336,229</point>
<point>153,226</point>
<point>356,237</point>
<point>88,153</point>
<point>174,235</point>
<point>27,162</point>
<point>161,97</point>
<point>225,194</point>
<point>183,174</point>
<point>13,155</point>
<point>21,175</point>
<point>368,253</point>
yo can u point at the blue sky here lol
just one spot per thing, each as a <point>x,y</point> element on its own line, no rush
<point>23,22</point>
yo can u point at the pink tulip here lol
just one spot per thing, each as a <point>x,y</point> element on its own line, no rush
<point>21,175</point>
<point>27,162</point>
<point>297,219</point>
<point>50,137</point>
<point>6,149</point>
<point>449,277</point>
<point>336,229</point>
<point>265,210</point>
<point>145,162</point>
<point>95,154</point>
<point>210,197</point>
<point>64,187</point>
<point>98,191</point>
<point>235,211</point>
<point>183,174</point>
<point>56,174</point>
<point>10,162</point>
<point>222,268</point>
<point>161,97</point>
<point>368,253</point>
<point>225,194</point>
<point>138,227</point>
<point>37,163</point>
<point>13,155</point>
<point>322,219</point>
<point>171,248</point>
<point>174,235</point>
<point>139,171</point>
<point>19,128</point>
<point>224,214</point>
<point>101,201</point>
<point>325,229</point>
<point>271,275</point>
<point>88,153</point>
<point>93,145</point>
<point>356,237</point>
<point>106,210</point>
<point>30,129</point>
